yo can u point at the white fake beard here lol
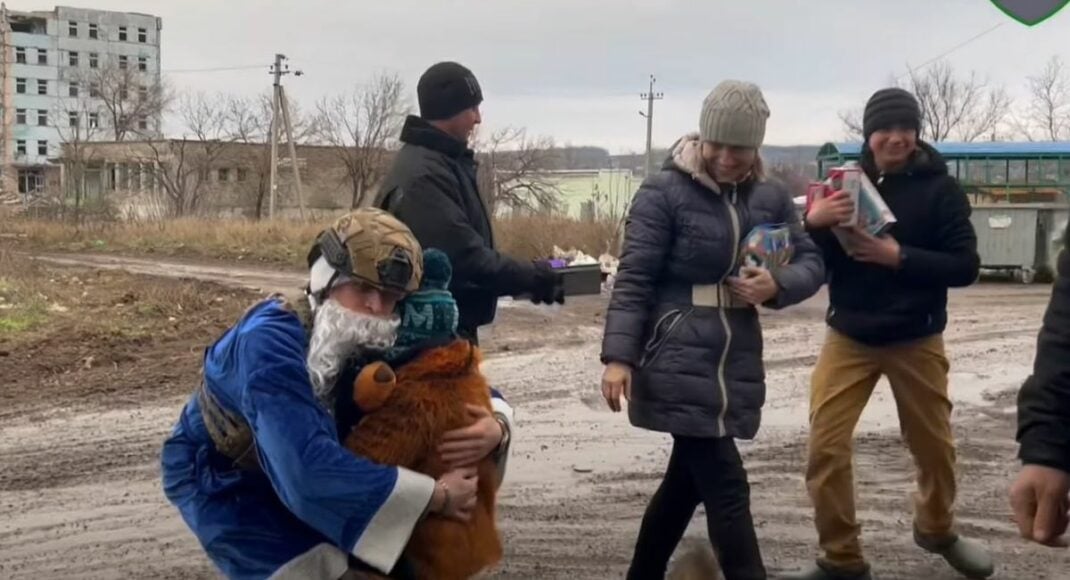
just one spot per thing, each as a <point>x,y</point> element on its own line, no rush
<point>338,334</point>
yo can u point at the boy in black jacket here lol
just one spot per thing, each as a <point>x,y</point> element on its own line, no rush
<point>887,314</point>
<point>1041,495</point>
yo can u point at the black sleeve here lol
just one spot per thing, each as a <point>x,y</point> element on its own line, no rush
<point>431,209</point>
<point>647,238</point>
<point>803,277</point>
<point>1044,401</point>
<point>955,262</point>
<point>823,237</point>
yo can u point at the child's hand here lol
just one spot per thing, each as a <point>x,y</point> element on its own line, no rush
<point>469,445</point>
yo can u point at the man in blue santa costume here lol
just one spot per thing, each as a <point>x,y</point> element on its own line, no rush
<point>254,463</point>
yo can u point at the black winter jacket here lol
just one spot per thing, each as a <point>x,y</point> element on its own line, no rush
<point>877,305</point>
<point>697,366</point>
<point>431,187</point>
<point>1044,401</point>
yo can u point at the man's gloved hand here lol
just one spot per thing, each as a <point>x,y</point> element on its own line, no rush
<point>549,286</point>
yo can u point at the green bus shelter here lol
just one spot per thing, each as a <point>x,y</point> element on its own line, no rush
<point>1019,172</point>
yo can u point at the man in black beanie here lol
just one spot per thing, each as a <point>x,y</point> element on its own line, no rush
<point>432,188</point>
<point>887,314</point>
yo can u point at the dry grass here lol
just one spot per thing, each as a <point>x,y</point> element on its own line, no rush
<point>22,305</point>
<point>280,242</point>
<point>536,236</point>
<point>36,297</point>
<point>283,242</point>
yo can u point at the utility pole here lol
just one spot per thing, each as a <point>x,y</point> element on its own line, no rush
<point>280,110</point>
<point>650,96</point>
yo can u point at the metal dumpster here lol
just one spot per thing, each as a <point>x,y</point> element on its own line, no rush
<point>1020,238</point>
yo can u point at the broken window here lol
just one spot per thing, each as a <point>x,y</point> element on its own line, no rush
<point>94,32</point>
<point>28,24</point>
<point>143,93</point>
<point>42,56</point>
<point>42,148</point>
<point>142,63</point>
<point>224,175</point>
<point>123,61</point>
<point>124,94</point>
<point>94,120</point>
<point>42,87</point>
<point>143,122</point>
<point>94,90</point>
<point>122,33</point>
<point>72,29</point>
<point>20,147</point>
<point>20,86</point>
<point>20,116</point>
<point>72,89</point>
<point>20,55</point>
<point>42,118</point>
<point>72,58</point>
<point>142,35</point>
<point>243,174</point>
<point>72,118</point>
<point>94,60</point>
<point>31,181</point>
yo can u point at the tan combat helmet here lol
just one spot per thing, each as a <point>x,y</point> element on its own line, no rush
<point>371,246</point>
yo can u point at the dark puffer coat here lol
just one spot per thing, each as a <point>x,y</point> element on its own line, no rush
<point>696,351</point>
<point>431,187</point>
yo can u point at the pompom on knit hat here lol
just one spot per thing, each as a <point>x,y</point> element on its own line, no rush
<point>734,113</point>
<point>431,311</point>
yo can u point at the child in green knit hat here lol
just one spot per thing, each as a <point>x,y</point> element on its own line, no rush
<point>429,315</point>
<point>429,387</point>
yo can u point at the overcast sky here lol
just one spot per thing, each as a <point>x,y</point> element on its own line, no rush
<point>573,69</point>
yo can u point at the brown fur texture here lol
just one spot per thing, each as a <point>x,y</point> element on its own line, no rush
<point>426,399</point>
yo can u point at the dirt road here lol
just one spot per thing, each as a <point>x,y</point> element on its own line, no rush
<point>79,495</point>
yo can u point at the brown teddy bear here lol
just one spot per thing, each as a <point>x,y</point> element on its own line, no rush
<point>408,408</point>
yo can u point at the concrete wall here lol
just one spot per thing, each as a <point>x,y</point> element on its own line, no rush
<point>121,174</point>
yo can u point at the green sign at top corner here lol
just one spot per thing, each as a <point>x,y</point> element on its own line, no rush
<point>1030,12</point>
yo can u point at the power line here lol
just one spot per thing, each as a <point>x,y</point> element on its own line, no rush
<point>215,69</point>
<point>949,51</point>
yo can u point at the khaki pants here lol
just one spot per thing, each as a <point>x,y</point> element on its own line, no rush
<point>843,380</point>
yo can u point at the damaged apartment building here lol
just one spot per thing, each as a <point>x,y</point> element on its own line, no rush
<point>71,75</point>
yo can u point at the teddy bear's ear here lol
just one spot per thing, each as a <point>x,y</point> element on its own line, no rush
<point>373,386</point>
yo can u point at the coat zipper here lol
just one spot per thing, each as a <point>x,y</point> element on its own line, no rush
<point>734,215</point>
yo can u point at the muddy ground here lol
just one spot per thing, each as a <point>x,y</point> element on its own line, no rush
<point>82,415</point>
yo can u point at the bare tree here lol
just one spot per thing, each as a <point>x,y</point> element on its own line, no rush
<point>360,127</point>
<point>249,122</point>
<point>182,167</point>
<point>964,108</point>
<point>1047,115</point>
<point>78,122</point>
<point>953,107</point>
<point>514,170</point>
<point>852,123</point>
<point>131,103</point>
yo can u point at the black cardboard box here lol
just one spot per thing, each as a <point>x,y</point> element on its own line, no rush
<point>581,280</point>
